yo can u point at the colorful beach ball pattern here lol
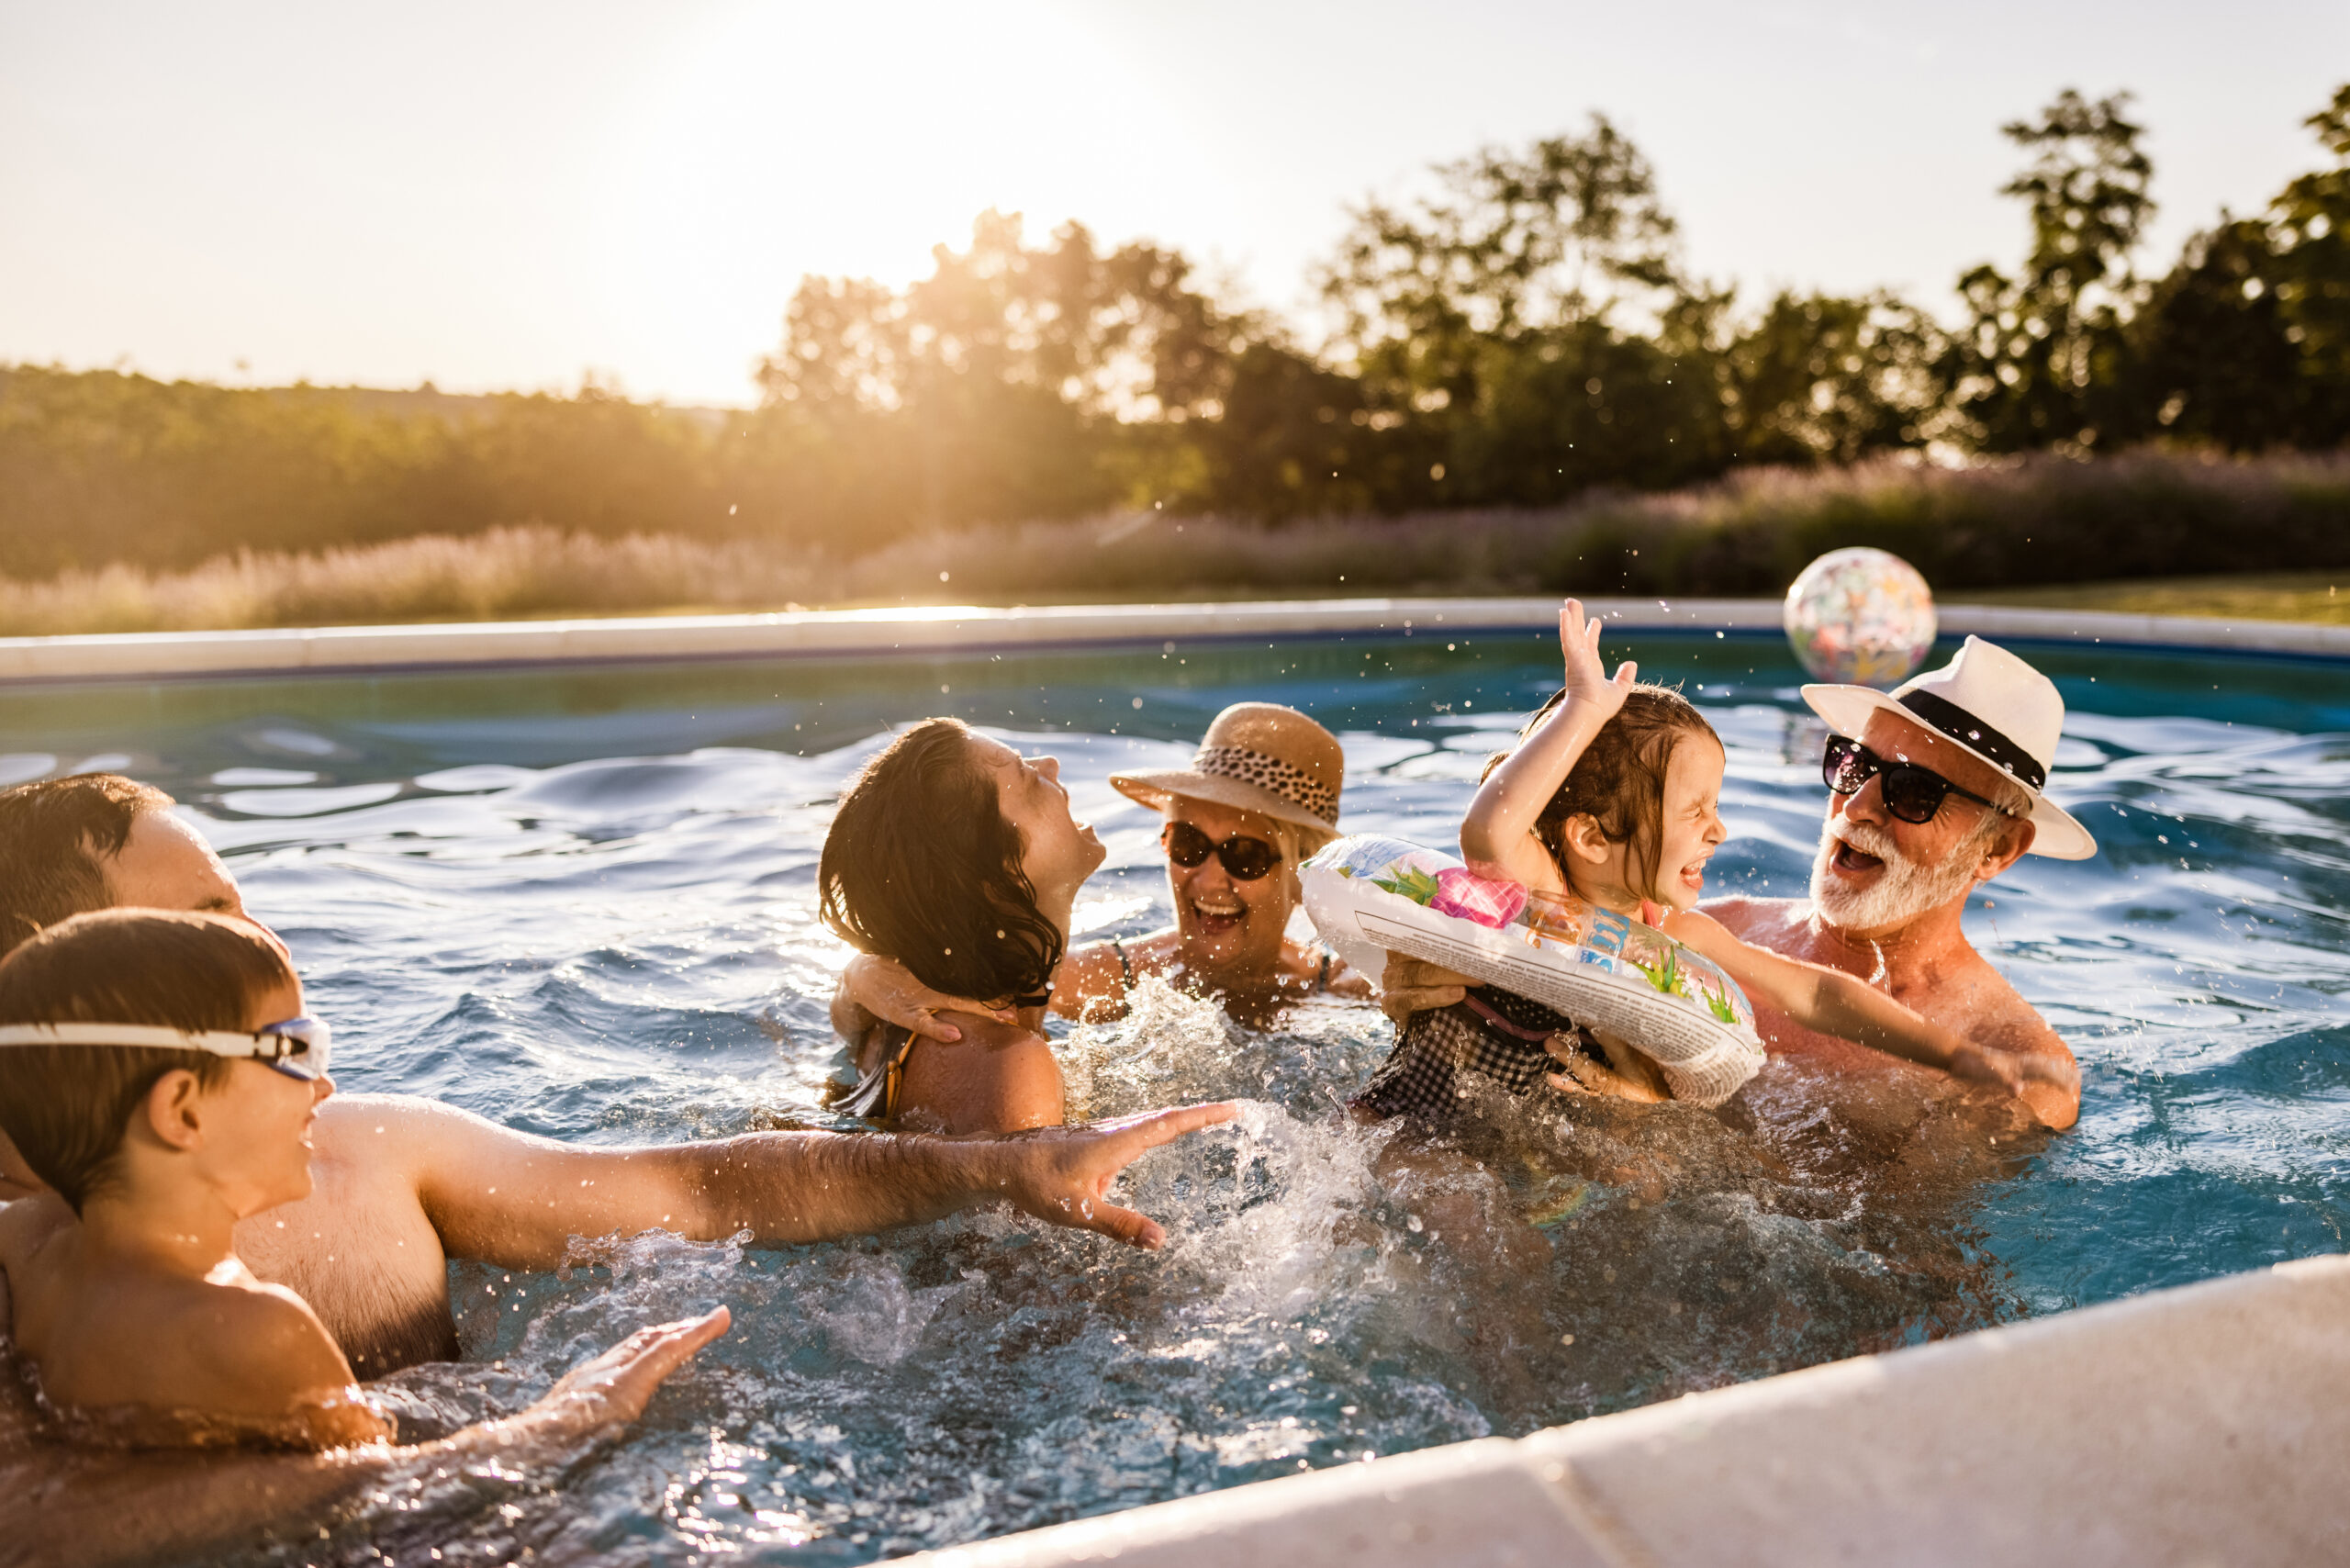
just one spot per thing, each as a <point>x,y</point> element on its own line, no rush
<point>1860,616</point>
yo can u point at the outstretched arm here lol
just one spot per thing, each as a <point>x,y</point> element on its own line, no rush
<point>1497,835</point>
<point>516,1201</point>
<point>87,1507</point>
<point>1837,1003</point>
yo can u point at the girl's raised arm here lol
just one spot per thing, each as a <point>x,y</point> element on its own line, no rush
<point>1497,835</point>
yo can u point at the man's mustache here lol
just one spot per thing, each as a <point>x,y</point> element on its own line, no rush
<point>1869,839</point>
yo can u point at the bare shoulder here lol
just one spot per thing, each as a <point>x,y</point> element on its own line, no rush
<point>999,1078</point>
<point>399,1131</point>
<point>1758,920</point>
<point>28,1223</point>
<point>264,1338</point>
<point>1998,1014</point>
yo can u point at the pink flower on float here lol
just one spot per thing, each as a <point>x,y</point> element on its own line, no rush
<point>1461,892</point>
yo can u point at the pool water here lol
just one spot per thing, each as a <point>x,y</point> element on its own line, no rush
<point>581,902</point>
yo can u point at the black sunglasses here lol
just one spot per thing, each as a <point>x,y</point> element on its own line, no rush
<point>1246,859</point>
<point>1911,793</point>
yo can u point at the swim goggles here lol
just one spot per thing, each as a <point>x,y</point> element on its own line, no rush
<point>1246,859</point>
<point>1911,793</point>
<point>298,1048</point>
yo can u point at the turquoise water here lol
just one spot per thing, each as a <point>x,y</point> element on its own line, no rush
<point>580,902</point>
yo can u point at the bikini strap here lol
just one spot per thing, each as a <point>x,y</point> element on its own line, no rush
<point>1126,970</point>
<point>1322,975</point>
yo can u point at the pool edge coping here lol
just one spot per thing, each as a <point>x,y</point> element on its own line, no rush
<point>954,629</point>
<point>2152,1428</point>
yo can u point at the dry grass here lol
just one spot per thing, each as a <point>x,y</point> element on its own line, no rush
<point>2320,597</point>
<point>2037,531</point>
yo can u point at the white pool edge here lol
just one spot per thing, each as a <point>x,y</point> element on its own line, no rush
<point>958,628</point>
<point>2205,1424</point>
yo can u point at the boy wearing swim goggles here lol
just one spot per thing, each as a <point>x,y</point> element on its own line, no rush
<point>157,1071</point>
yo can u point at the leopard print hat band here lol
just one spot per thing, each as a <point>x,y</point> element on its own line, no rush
<point>1257,757</point>
<point>1291,783</point>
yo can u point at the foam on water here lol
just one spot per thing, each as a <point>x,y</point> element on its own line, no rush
<point>582,903</point>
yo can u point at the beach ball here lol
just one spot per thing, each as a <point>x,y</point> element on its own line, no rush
<point>1860,616</point>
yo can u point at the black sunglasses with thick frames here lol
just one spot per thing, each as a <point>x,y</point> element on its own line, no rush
<point>1246,859</point>
<point>1911,793</point>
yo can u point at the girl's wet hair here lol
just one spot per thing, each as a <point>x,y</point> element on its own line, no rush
<point>67,1107</point>
<point>921,866</point>
<point>1618,781</point>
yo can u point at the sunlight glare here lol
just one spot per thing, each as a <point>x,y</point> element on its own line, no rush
<point>777,140</point>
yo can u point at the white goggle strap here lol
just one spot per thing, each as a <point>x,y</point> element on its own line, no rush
<point>219,1042</point>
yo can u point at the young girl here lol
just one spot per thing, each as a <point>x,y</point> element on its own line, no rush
<point>1612,796</point>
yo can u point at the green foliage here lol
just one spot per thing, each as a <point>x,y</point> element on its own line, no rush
<point>2042,349</point>
<point>1409,881</point>
<point>1520,335</point>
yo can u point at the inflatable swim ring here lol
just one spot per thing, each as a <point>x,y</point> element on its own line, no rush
<point>1369,896</point>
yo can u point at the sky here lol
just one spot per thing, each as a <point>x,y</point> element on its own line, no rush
<point>520,194</point>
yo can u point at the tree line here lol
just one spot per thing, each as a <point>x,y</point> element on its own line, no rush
<point>1522,334</point>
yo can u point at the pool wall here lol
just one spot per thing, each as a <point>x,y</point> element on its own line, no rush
<point>2203,1425</point>
<point>147,656</point>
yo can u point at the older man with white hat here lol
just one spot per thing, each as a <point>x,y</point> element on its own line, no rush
<point>1934,789</point>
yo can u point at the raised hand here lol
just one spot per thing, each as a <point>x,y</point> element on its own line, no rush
<point>600,1395</point>
<point>1062,1175</point>
<point>1587,679</point>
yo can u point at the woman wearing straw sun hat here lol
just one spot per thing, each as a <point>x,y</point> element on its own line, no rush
<point>1260,795</point>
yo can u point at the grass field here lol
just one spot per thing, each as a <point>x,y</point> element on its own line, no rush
<point>1981,535</point>
<point>2320,597</point>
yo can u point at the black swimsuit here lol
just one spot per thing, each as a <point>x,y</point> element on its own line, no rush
<point>1493,1035</point>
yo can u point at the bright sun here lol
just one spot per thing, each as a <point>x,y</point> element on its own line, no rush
<point>777,140</point>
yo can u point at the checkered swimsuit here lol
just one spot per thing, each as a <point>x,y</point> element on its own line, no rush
<point>1429,1072</point>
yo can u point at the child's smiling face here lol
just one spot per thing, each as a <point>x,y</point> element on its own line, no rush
<point>1691,826</point>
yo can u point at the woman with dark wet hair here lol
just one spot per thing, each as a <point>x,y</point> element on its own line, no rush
<point>1260,795</point>
<point>957,857</point>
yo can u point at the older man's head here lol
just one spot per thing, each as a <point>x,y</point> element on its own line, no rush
<point>95,841</point>
<point>1875,872</point>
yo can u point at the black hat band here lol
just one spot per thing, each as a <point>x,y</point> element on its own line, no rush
<point>1973,732</point>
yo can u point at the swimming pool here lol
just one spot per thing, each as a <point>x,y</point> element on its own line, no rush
<point>581,902</point>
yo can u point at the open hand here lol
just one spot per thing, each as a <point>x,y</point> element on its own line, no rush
<point>885,990</point>
<point>1409,985</point>
<point>612,1391</point>
<point>2012,1073</point>
<point>1062,1175</point>
<point>1588,684</point>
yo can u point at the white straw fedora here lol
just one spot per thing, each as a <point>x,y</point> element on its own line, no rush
<point>1994,706</point>
<point>1257,757</point>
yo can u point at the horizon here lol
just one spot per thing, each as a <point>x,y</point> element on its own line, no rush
<point>263,195</point>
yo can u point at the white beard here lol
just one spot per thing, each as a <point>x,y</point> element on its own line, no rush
<point>1906,889</point>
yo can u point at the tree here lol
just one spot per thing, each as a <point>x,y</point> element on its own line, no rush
<point>996,389</point>
<point>1567,231</point>
<point>2043,351</point>
<point>1821,379</point>
<point>2309,233</point>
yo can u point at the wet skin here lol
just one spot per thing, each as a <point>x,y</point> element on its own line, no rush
<point>1002,1076</point>
<point>1227,939</point>
<point>1929,965</point>
<point>401,1184</point>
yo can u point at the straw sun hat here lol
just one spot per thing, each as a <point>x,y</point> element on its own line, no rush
<point>1257,756</point>
<point>1991,704</point>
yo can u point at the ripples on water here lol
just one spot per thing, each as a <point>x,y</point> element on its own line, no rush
<point>581,903</point>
